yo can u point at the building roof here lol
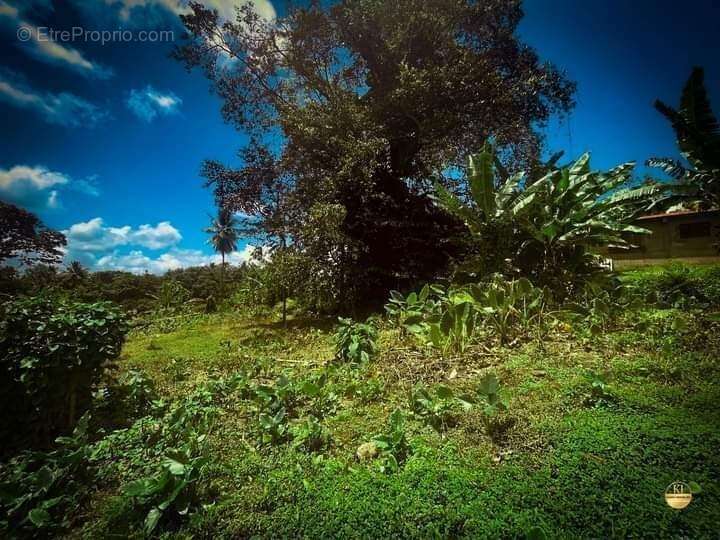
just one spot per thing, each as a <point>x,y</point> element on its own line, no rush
<point>682,213</point>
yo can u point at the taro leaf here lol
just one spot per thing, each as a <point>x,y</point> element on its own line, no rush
<point>45,478</point>
<point>424,292</point>
<point>310,389</point>
<point>39,517</point>
<point>466,401</point>
<point>435,335</point>
<point>446,322</point>
<point>176,464</point>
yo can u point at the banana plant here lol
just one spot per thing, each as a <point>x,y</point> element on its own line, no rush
<point>698,138</point>
<point>565,211</point>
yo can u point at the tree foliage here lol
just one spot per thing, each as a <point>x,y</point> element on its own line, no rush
<point>26,237</point>
<point>355,108</point>
<point>52,353</point>
<point>698,138</point>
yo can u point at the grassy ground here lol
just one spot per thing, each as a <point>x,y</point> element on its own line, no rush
<point>567,459</point>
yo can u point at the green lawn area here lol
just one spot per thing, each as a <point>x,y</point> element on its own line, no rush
<point>566,460</point>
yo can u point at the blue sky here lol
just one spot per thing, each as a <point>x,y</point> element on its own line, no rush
<point>105,141</point>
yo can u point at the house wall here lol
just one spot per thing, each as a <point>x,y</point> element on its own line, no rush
<point>688,238</point>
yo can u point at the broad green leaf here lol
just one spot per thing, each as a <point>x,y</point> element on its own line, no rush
<point>39,517</point>
<point>482,181</point>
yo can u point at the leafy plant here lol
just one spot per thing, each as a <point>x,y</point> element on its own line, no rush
<point>507,303</point>
<point>173,491</point>
<point>698,138</point>
<point>140,391</point>
<point>355,342</point>
<point>560,215</point>
<point>273,427</point>
<point>489,391</point>
<point>52,353</point>
<point>309,433</point>
<point>453,328</point>
<point>393,444</point>
<point>365,389</point>
<point>40,491</point>
<point>437,409</point>
<point>172,294</point>
<point>596,391</point>
<point>410,312</point>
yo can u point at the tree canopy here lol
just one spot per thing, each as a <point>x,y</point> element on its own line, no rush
<point>356,109</point>
<point>26,237</point>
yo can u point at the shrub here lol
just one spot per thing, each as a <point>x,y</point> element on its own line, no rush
<point>355,342</point>
<point>52,353</point>
<point>676,285</point>
<point>39,491</point>
<point>393,444</point>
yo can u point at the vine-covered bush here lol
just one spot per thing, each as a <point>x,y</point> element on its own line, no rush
<point>52,352</point>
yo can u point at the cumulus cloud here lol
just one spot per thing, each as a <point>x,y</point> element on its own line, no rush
<point>148,103</point>
<point>64,109</point>
<point>138,262</point>
<point>37,187</point>
<point>95,236</point>
<point>100,247</point>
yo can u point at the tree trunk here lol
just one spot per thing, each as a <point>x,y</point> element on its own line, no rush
<point>222,275</point>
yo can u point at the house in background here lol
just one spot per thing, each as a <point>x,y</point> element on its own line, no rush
<point>687,236</point>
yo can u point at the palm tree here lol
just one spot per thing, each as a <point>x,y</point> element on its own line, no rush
<point>698,138</point>
<point>225,234</point>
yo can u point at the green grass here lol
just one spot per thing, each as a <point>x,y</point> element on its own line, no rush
<point>559,460</point>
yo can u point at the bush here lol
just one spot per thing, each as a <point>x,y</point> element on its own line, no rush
<point>676,285</point>
<point>355,342</point>
<point>52,353</point>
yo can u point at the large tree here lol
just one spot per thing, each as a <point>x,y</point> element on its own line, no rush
<point>360,107</point>
<point>27,238</point>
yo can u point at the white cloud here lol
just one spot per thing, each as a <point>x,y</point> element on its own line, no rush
<point>99,247</point>
<point>138,262</point>
<point>225,8</point>
<point>43,48</point>
<point>158,237</point>
<point>37,187</point>
<point>64,109</point>
<point>95,236</point>
<point>37,42</point>
<point>149,103</point>
<point>7,10</point>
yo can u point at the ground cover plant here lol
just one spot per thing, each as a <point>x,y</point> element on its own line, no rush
<point>561,434</point>
<point>409,320</point>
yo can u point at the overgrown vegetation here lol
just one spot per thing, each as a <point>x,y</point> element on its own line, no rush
<point>513,388</point>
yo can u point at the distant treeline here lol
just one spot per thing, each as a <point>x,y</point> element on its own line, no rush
<point>131,291</point>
